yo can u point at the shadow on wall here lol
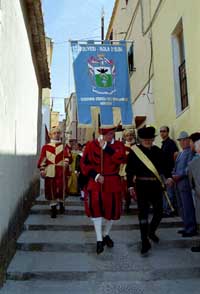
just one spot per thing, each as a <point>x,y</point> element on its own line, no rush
<point>19,182</point>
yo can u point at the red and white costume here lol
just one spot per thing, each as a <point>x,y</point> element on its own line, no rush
<point>52,159</point>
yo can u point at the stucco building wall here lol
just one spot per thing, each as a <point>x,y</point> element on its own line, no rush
<point>171,12</point>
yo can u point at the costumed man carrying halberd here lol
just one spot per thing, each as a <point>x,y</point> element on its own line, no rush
<point>145,167</point>
<point>101,162</point>
<point>53,164</point>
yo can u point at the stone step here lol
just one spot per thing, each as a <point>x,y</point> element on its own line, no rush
<point>90,247</point>
<point>67,203</point>
<point>83,223</point>
<point>84,241</point>
<point>69,210</point>
<point>120,263</point>
<point>166,286</point>
<point>78,203</point>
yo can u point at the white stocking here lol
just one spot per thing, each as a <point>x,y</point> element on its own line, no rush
<point>107,227</point>
<point>98,227</point>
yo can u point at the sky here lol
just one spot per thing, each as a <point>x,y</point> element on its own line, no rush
<point>71,20</point>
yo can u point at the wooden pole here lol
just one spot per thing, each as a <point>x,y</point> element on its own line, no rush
<point>102,24</point>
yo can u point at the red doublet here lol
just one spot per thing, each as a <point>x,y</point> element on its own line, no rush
<point>103,199</point>
<point>52,160</point>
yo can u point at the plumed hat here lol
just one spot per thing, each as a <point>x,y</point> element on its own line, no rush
<point>104,131</point>
<point>195,137</point>
<point>54,129</point>
<point>147,133</point>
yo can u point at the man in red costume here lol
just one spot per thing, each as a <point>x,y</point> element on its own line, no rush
<point>101,162</point>
<point>53,164</point>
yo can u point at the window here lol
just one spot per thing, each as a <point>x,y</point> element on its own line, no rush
<point>180,74</point>
<point>183,85</point>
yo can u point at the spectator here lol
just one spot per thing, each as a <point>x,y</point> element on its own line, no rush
<point>194,176</point>
<point>183,189</point>
<point>169,149</point>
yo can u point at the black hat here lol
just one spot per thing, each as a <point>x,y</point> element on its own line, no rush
<point>195,137</point>
<point>147,133</point>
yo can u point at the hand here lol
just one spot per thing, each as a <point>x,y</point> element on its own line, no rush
<point>169,182</point>
<point>102,142</point>
<point>176,178</point>
<point>66,162</point>
<point>43,174</point>
<point>134,179</point>
<point>100,179</point>
<point>132,193</point>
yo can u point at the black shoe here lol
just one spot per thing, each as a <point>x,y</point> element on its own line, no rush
<point>181,231</point>
<point>146,246</point>
<point>195,249</point>
<point>154,238</point>
<point>100,247</point>
<point>108,241</point>
<point>62,208</point>
<point>53,211</point>
<point>192,234</point>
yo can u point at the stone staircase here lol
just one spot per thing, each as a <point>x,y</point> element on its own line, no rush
<point>57,256</point>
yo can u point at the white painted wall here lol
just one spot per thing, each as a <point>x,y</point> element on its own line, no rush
<point>144,105</point>
<point>19,93</point>
<point>45,122</point>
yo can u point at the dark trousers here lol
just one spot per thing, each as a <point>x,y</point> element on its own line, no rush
<point>149,193</point>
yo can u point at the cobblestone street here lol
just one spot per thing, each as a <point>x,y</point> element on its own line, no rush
<point>57,256</point>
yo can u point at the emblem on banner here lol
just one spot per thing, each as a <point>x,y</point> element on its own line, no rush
<point>102,74</point>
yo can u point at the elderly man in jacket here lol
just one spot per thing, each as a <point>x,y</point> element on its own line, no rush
<point>183,189</point>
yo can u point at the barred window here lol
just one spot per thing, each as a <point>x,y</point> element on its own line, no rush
<point>180,72</point>
<point>183,85</point>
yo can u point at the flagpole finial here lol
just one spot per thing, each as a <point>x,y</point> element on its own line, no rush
<point>102,12</point>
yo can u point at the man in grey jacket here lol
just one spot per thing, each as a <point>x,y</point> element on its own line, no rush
<point>183,189</point>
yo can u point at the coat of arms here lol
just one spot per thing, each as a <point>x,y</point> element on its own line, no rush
<point>102,74</point>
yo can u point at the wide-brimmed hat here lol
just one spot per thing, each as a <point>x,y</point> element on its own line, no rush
<point>183,135</point>
<point>147,133</point>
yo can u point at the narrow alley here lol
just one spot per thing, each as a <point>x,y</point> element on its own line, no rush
<point>99,109</point>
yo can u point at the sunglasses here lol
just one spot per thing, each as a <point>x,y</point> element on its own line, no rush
<point>163,131</point>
